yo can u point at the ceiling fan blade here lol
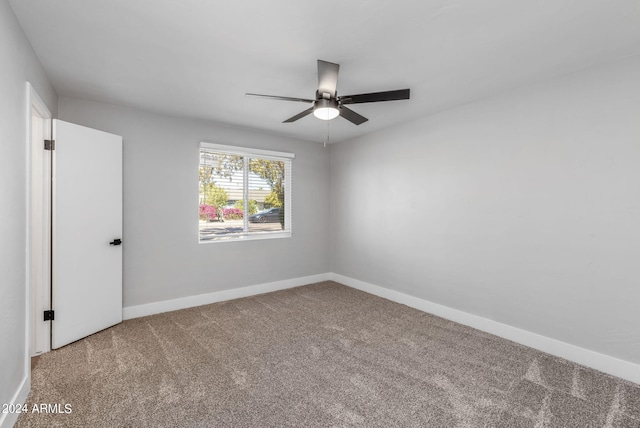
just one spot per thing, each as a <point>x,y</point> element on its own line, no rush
<point>327,77</point>
<point>352,116</point>
<point>399,94</point>
<point>275,97</point>
<point>299,115</point>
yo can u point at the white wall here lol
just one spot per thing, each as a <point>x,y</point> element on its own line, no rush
<point>19,65</point>
<point>162,257</point>
<point>523,208</point>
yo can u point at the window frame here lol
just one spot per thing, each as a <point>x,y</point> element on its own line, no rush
<point>247,153</point>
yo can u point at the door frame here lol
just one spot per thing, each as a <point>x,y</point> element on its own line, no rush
<point>38,266</point>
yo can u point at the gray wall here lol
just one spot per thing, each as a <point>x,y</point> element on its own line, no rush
<point>19,65</point>
<point>522,208</point>
<point>162,257</point>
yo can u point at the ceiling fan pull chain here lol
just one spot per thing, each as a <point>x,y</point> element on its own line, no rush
<point>326,140</point>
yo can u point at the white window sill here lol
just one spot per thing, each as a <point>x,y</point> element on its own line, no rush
<point>248,237</point>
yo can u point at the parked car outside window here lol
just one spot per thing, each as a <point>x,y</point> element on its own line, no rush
<point>272,215</point>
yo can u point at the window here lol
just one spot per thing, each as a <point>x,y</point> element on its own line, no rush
<point>243,193</point>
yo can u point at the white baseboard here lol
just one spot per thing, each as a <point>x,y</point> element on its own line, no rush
<point>7,420</point>
<point>218,296</point>
<point>605,363</point>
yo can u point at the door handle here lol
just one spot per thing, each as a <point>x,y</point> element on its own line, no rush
<point>116,242</point>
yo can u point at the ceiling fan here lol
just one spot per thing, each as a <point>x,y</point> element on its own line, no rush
<point>328,105</point>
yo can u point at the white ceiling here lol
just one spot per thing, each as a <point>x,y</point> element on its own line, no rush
<point>197,58</point>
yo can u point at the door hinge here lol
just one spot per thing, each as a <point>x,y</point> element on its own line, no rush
<point>48,315</point>
<point>49,144</point>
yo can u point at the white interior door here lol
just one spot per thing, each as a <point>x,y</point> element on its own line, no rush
<point>87,221</point>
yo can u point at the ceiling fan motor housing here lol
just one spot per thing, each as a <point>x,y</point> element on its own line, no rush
<point>325,103</point>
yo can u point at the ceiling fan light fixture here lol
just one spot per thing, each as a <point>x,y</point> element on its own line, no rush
<point>326,109</point>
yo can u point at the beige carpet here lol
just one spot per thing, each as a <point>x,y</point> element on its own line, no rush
<point>321,355</point>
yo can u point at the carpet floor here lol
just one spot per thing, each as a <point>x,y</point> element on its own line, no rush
<point>322,355</point>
